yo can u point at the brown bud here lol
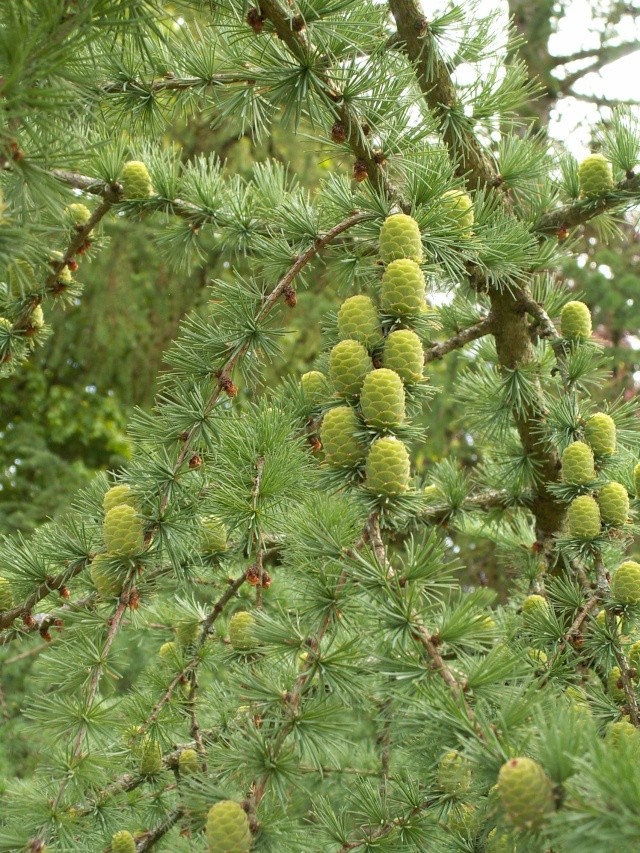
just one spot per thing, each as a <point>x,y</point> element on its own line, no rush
<point>28,620</point>
<point>298,24</point>
<point>562,233</point>
<point>338,133</point>
<point>64,592</point>
<point>195,461</point>
<point>360,173</point>
<point>266,580</point>
<point>253,575</point>
<point>227,385</point>
<point>17,153</point>
<point>84,248</point>
<point>290,296</point>
<point>73,265</point>
<point>255,20</point>
<point>44,633</point>
<point>134,599</point>
<point>315,443</point>
<point>379,157</point>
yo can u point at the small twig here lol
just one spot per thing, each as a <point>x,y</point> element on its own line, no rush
<point>149,839</point>
<point>460,339</point>
<point>49,585</point>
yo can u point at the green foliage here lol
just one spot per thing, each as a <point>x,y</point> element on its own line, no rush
<point>239,642</point>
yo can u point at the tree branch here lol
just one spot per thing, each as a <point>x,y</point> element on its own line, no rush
<point>579,212</point>
<point>460,339</point>
<point>603,56</point>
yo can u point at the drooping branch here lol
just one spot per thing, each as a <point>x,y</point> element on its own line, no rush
<point>602,57</point>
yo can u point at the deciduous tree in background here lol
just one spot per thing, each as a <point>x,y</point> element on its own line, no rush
<point>258,637</point>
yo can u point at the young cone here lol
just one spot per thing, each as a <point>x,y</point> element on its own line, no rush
<point>625,584</point>
<point>136,180</point>
<point>613,501</point>
<point>387,467</point>
<point>525,792</point>
<point>600,434</point>
<point>241,627</point>
<point>341,445</point>
<point>315,387</point>
<point>123,533</point>
<point>583,518</point>
<point>228,828</point>
<point>578,466</point>
<point>382,399</point>
<point>400,238</point>
<point>402,289</point>
<point>575,321</point>
<point>117,496</point>
<point>358,320</point>
<point>213,536</point>
<point>595,176</point>
<point>349,363</point>
<point>459,207</point>
<point>123,842</point>
<point>188,762</point>
<point>403,353</point>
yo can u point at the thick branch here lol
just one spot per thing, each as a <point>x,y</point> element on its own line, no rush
<point>604,56</point>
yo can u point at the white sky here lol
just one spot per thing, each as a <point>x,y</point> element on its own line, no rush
<point>578,30</point>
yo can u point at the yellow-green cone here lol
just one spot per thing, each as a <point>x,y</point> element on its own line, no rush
<point>36,319</point>
<point>341,446</point>
<point>454,773</point>
<point>136,180</point>
<point>532,605</point>
<point>403,353</point>
<point>79,214</point>
<point>400,238</point>
<point>349,363</point>
<point>315,387</point>
<point>123,842</point>
<point>358,320</point>
<point>497,843</point>
<point>107,576</point>
<point>118,495</point>
<point>228,828</point>
<point>623,733</point>
<point>578,465</point>
<point>595,176</point>
<point>575,321</point>
<point>123,532</point>
<point>625,583</point>
<point>241,627</point>
<point>614,504</point>
<point>634,656</point>
<point>150,757</point>
<point>213,536</point>
<point>187,632</point>
<point>583,518</point>
<point>188,762</point>
<point>462,818</point>
<point>402,289</point>
<point>6,596</point>
<point>636,479</point>
<point>458,206</point>
<point>617,693</point>
<point>600,434</point>
<point>170,654</point>
<point>382,399</point>
<point>387,467</point>
<point>525,792</point>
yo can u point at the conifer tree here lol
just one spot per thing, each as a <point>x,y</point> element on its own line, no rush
<point>255,636</point>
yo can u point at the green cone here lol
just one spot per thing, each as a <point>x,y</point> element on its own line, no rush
<point>341,446</point>
<point>188,762</point>
<point>388,467</point>
<point>636,479</point>
<point>6,596</point>
<point>170,654</point>
<point>400,238</point>
<point>583,518</point>
<point>402,289</point>
<point>79,214</point>
<point>575,321</point>
<point>454,773</point>
<point>241,627</point>
<point>213,536</point>
<point>228,828</point>
<point>600,434</point>
<point>150,757</point>
<point>625,584</point>
<point>403,353</point>
<point>614,504</point>
<point>595,176</point>
<point>349,363</point>
<point>187,632</point>
<point>616,693</point>
<point>123,532</point>
<point>458,206</point>
<point>315,387</point>
<point>358,320</point>
<point>123,842</point>
<point>525,792</point>
<point>578,465</point>
<point>382,399</point>
<point>534,604</point>
<point>107,576</point>
<point>118,495</point>
<point>136,180</point>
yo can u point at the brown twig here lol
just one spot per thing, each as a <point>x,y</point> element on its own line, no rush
<point>460,339</point>
<point>148,840</point>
